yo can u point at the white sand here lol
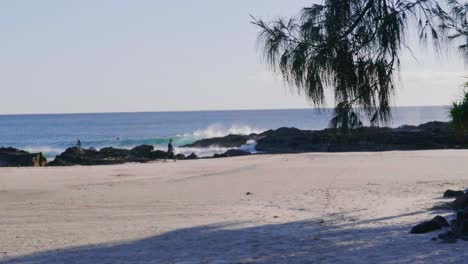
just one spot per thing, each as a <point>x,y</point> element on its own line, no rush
<point>308,208</point>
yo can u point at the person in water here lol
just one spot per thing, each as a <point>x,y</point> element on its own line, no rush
<point>78,143</point>
<point>170,151</point>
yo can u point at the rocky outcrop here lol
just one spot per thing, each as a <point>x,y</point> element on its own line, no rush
<point>432,135</point>
<point>107,156</point>
<point>453,194</point>
<point>11,157</point>
<point>143,151</point>
<point>458,227</point>
<point>232,153</point>
<point>436,223</point>
<point>461,202</point>
<point>229,141</point>
<point>192,156</point>
<point>180,156</point>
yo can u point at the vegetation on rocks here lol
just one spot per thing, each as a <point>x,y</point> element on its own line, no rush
<point>459,115</point>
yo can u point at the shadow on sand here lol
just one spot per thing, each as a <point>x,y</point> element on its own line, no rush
<point>312,241</point>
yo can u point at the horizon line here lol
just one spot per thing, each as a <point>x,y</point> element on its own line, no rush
<point>207,110</point>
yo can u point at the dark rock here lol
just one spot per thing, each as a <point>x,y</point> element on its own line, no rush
<point>436,223</point>
<point>441,221</point>
<point>442,207</point>
<point>435,135</point>
<point>453,194</point>
<point>248,193</point>
<point>461,202</point>
<point>236,153</point>
<point>113,152</point>
<point>229,141</point>
<point>192,156</point>
<point>232,153</point>
<point>460,225</point>
<point>180,157</point>
<point>158,154</point>
<point>58,162</point>
<point>11,157</point>
<point>432,135</point>
<point>448,237</point>
<point>106,156</point>
<point>143,151</point>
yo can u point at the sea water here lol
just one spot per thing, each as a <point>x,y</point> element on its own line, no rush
<point>53,133</point>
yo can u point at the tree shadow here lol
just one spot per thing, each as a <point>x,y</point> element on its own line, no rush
<point>311,241</point>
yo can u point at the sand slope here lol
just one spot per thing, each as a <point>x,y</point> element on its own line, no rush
<point>306,208</point>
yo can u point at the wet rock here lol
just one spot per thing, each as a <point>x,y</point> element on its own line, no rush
<point>11,157</point>
<point>229,141</point>
<point>158,154</point>
<point>236,153</point>
<point>58,162</point>
<point>143,151</point>
<point>448,237</point>
<point>436,223</point>
<point>441,221</point>
<point>232,153</point>
<point>453,194</point>
<point>192,156</point>
<point>180,157</point>
<point>106,156</point>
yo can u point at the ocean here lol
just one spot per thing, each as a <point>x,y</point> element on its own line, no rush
<point>53,133</point>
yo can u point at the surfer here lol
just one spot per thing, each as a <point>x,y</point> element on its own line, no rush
<point>170,151</point>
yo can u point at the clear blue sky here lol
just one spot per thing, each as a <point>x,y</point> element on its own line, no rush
<point>158,55</point>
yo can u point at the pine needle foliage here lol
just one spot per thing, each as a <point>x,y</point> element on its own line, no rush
<point>352,48</point>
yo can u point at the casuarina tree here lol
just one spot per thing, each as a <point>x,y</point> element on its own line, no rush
<point>353,47</point>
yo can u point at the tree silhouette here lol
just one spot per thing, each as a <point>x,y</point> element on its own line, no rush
<point>353,48</point>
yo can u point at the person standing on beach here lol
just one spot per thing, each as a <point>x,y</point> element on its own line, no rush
<point>170,151</point>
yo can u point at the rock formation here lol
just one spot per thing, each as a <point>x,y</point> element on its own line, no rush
<point>11,157</point>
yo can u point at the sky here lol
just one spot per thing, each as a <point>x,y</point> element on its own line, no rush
<point>157,55</point>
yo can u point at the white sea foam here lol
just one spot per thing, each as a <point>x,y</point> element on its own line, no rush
<point>249,146</point>
<point>46,150</point>
<point>219,130</point>
<point>215,130</point>
<point>201,152</point>
<point>211,150</point>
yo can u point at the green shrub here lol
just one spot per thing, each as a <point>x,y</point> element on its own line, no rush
<point>459,115</point>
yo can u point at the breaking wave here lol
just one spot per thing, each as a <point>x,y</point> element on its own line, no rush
<point>219,130</point>
<point>160,143</point>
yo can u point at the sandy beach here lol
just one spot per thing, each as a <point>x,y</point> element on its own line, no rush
<point>301,208</point>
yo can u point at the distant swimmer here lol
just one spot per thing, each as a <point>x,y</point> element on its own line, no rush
<point>170,151</point>
<point>78,143</point>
